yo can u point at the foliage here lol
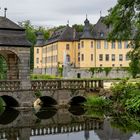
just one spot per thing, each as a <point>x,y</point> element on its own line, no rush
<point>38,94</point>
<point>3,68</point>
<point>124,20</point>
<point>97,102</point>
<point>60,71</point>
<point>133,103</point>
<point>134,64</point>
<point>31,36</point>
<point>126,122</point>
<point>127,94</point>
<point>107,70</point>
<point>78,28</point>
<point>42,77</point>
<point>92,70</point>
<point>96,113</point>
<point>2,105</point>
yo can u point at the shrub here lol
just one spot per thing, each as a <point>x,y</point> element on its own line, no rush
<point>38,94</point>
<point>97,102</point>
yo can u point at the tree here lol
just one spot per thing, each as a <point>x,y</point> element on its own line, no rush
<point>124,19</point>
<point>31,36</point>
<point>78,28</point>
<point>3,68</point>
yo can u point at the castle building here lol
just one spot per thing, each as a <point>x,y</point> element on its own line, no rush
<point>89,49</point>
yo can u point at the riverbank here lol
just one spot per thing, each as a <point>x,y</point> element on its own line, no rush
<point>121,96</point>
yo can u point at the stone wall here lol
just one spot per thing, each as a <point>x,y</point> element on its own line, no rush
<point>48,71</point>
<point>85,73</point>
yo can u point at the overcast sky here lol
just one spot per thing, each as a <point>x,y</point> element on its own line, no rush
<point>56,12</point>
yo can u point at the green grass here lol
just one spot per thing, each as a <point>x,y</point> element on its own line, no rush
<point>43,77</point>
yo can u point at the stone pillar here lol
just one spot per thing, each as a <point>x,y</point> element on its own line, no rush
<point>24,133</point>
<point>25,68</point>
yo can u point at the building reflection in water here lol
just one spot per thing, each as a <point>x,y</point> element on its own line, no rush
<point>51,122</point>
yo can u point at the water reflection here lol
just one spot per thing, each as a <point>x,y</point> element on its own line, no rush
<point>77,110</point>
<point>44,113</point>
<point>8,115</point>
<point>67,124</point>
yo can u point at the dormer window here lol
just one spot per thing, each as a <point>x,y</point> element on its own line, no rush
<point>101,34</point>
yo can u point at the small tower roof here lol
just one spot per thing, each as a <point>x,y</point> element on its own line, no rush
<point>86,33</point>
<point>40,40</point>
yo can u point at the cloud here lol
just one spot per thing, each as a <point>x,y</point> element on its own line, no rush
<point>56,12</point>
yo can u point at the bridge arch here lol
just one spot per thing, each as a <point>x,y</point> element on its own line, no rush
<point>45,101</point>
<point>10,101</point>
<point>13,63</point>
<point>77,100</point>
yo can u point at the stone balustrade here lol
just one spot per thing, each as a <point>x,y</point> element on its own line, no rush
<point>66,84</point>
<point>10,85</point>
<point>15,85</point>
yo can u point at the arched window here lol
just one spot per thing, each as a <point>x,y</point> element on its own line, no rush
<point>68,58</point>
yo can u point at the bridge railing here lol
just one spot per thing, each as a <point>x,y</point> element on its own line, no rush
<point>10,85</point>
<point>65,84</point>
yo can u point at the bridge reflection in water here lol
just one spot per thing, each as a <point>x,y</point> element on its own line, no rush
<point>26,125</point>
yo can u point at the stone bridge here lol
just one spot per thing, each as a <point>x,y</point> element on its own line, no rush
<point>28,124</point>
<point>51,92</point>
<point>17,89</point>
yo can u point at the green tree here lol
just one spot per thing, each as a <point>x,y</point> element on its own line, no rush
<point>78,28</point>
<point>31,36</point>
<point>3,68</point>
<point>124,19</point>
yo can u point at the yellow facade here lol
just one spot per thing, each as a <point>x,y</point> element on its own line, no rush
<point>83,54</point>
<point>38,57</point>
<point>83,50</point>
<point>113,56</point>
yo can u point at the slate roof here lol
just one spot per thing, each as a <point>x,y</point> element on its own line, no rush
<point>64,34</point>
<point>40,40</point>
<point>12,34</point>
<point>100,30</point>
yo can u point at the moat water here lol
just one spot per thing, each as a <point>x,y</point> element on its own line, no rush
<point>74,123</point>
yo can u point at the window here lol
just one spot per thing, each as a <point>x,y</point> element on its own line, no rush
<point>120,57</point>
<point>37,51</point>
<point>107,57</point>
<point>119,45</point>
<point>82,44</point>
<point>113,44</point>
<point>91,57</point>
<point>100,57</point>
<point>78,45</point>
<point>68,58</point>
<point>113,65</point>
<point>105,45</point>
<point>91,44</point>
<point>120,65</point>
<point>98,44</point>
<point>101,65</point>
<point>113,57</point>
<point>82,57</point>
<point>78,57</point>
<point>67,46</point>
<point>37,60</point>
<point>101,34</point>
<point>126,45</point>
